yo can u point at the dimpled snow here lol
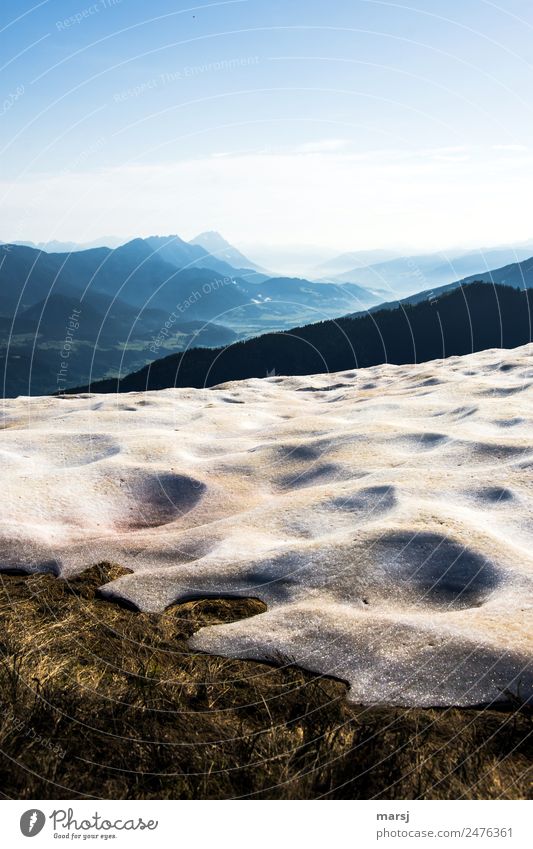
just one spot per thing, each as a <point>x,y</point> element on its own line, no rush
<point>383,515</point>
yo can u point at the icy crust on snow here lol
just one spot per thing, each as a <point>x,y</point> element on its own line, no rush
<point>383,515</point>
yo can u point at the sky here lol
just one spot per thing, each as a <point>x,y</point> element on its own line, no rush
<point>333,124</point>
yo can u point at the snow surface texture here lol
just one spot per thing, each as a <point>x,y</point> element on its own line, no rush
<point>383,515</point>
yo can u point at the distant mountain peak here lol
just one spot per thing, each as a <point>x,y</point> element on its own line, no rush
<point>211,234</point>
<point>212,238</point>
<point>172,237</point>
<point>215,244</point>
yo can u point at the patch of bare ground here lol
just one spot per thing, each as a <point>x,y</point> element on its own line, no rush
<point>98,700</point>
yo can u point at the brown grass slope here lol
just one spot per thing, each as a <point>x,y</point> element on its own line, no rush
<point>101,701</point>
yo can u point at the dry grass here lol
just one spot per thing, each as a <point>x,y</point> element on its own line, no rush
<point>98,700</point>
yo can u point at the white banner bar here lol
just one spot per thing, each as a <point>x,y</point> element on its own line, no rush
<point>264,824</point>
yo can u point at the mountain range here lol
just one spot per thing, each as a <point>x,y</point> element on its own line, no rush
<point>56,246</point>
<point>349,262</point>
<point>405,275</point>
<point>170,274</point>
<point>519,275</point>
<point>139,301</point>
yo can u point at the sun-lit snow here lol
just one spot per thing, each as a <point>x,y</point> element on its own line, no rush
<point>383,515</point>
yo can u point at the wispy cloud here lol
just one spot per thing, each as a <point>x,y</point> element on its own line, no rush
<point>457,153</point>
<point>511,148</point>
<point>323,146</point>
<point>332,197</point>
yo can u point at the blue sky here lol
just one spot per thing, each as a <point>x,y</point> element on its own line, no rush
<point>342,124</point>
